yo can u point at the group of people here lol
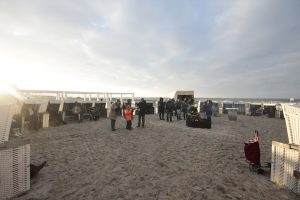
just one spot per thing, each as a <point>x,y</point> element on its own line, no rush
<point>116,111</point>
<point>178,107</point>
<point>181,108</point>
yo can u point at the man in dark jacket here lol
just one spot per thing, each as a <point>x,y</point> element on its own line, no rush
<point>142,112</point>
<point>178,105</point>
<point>207,108</point>
<point>161,109</point>
<point>170,107</point>
<point>184,108</point>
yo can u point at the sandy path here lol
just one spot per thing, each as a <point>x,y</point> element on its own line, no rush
<point>162,161</point>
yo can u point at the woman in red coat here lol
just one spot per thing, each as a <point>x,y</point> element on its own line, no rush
<point>128,115</point>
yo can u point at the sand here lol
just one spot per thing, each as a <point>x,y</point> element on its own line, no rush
<point>161,161</point>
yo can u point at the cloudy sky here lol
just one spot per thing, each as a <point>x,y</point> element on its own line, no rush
<point>237,48</point>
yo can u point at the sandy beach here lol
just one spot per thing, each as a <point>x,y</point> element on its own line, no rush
<point>161,161</point>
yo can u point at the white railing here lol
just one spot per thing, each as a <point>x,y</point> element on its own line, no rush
<point>86,96</point>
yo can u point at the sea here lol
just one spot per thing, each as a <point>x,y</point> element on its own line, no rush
<point>248,100</point>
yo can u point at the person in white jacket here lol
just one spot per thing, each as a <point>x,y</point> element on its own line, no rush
<point>114,112</point>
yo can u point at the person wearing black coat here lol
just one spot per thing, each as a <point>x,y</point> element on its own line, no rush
<point>207,108</point>
<point>184,109</point>
<point>170,106</point>
<point>142,112</point>
<point>178,107</point>
<point>161,109</point>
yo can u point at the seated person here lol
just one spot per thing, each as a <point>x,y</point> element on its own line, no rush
<point>193,110</point>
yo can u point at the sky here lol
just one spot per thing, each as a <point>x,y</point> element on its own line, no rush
<point>236,48</point>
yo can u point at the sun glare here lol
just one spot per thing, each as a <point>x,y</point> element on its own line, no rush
<point>3,88</point>
<point>8,89</point>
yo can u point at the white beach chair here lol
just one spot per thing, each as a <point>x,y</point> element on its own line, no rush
<point>8,108</point>
<point>285,166</point>
<point>292,120</point>
<point>14,169</point>
<point>6,115</point>
<point>285,169</point>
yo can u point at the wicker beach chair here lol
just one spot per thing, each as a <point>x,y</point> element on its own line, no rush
<point>14,169</point>
<point>292,120</point>
<point>6,115</point>
<point>8,108</point>
<point>285,169</point>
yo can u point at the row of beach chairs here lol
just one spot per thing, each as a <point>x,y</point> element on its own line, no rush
<point>271,110</point>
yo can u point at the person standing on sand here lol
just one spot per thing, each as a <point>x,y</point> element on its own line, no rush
<point>178,109</point>
<point>34,117</point>
<point>128,115</point>
<point>190,104</point>
<point>142,112</point>
<point>169,107</point>
<point>184,108</point>
<point>161,109</point>
<point>114,112</point>
<point>207,108</point>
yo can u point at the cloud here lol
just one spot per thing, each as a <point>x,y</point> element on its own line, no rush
<point>154,47</point>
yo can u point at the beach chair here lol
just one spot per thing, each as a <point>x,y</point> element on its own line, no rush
<point>252,154</point>
<point>94,115</point>
<point>6,116</point>
<point>8,108</point>
<point>14,168</point>
<point>285,169</point>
